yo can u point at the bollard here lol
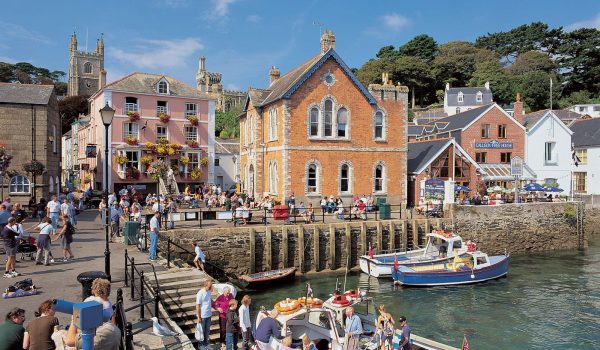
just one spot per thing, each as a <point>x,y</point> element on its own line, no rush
<point>132,291</point>
<point>128,336</point>
<point>156,301</point>
<point>169,253</point>
<point>323,215</point>
<point>120,296</point>
<point>146,237</point>
<point>142,295</point>
<point>126,284</point>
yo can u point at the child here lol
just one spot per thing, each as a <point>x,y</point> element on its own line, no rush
<point>232,328</point>
<point>200,257</point>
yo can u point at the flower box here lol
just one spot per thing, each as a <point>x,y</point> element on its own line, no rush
<point>133,116</point>
<point>131,140</point>
<point>193,120</point>
<point>192,144</point>
<point>164,117</point>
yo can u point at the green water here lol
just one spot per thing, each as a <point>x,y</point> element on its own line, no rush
<point>548,301</point>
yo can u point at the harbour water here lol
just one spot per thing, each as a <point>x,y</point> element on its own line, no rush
<point>548,301</point>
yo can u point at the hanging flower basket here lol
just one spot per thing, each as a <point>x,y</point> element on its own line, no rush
<point>146,159</point>
<point>34,168</point>
<point>132,173</point>
<point>87,179</point>
<point>121,160</point>
<point>193,120</point>
<point>133,116</point>
<point>184,160</point>
<point>195,173</point>
<point>204,161</point>
<point>158,169</point>
<point>192,144</point>
<point>131,140</point>
<point>177,146</point>
<point>164,117</point>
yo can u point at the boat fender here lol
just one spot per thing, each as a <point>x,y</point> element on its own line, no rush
<point>287,306</point>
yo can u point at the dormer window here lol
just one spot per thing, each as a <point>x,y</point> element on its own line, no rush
<point>460,97</point>
<point>479,97</point>
<point>162,87</point>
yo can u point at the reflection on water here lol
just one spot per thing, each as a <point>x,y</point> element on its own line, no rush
<point>549,300</point>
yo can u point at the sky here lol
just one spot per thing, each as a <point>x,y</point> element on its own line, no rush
<point>242,39</point>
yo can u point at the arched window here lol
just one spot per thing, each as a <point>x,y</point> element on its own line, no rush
<point>345,178</point>
<point>19,184</point>
<point>327,118</point>
<point>273,180</point>
<point>87,68</point>
<point>273,124</point>
<point>312,179</point>
<point>457,110</point>
<point>314,121</point>
<point>162,87</point>
<point>378,178</point>
<point>379,125</point>
<point>342,122</point>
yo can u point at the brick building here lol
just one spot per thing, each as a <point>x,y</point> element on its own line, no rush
<point>317,131</point>
<point>30,130</point>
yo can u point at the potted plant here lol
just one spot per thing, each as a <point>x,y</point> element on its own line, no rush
<point>146,159</point>
<point>177,146</point>
<point>204,161</point>
<point>132,173</point>
<point>34,167</point>
<point>184,160</point>
<point>131,140</point>
<point>192,143</point>
<point>164,117</point>
<point>133,116</point>
<point>193,120</point>
<point>120,159</point>
<point>158,169</point>
<point>195,173</point>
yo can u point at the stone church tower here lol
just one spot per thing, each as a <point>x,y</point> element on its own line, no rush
<point>86,69</point>
<point>210,83</point>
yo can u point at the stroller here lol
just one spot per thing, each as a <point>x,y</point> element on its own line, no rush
<point>27,248</point>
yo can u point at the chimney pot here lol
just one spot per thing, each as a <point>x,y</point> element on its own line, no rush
<point>274,74</point>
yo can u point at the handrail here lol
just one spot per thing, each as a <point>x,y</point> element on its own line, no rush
<point>130,280</point>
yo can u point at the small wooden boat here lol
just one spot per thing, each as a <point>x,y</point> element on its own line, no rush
<point>471,267</point>
<point>264,279</point>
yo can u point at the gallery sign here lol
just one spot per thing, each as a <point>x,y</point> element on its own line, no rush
<point>494,144</point>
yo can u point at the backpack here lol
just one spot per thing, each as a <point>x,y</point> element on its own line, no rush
<point>388,328</point>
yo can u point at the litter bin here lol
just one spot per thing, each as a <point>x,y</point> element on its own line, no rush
<point>131,232</point>
<point>86,279</point>
<point>380,200</point>
<point>384,211</point>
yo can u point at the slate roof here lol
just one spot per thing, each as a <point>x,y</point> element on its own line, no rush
<point>25,93</point>
<point>227,146</point>
<point>145,83</point>
<point>460,120</point>
<point>565,115</point>
<point>421,153</point>
<point>586,132</point>
<point>415,130</point>
<point>469,96</point>
<point>282,85</point>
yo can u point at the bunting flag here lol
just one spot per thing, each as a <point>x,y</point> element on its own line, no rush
<point>576,159</point>
<point>371,253</point>
<point>465,343</point>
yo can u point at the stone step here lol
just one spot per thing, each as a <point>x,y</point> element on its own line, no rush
<point>187,276</point>
<point>173,285</point>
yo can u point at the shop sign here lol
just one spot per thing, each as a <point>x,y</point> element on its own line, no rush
<point>495,144</point>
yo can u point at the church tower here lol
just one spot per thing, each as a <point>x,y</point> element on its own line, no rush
<point>86,69</point>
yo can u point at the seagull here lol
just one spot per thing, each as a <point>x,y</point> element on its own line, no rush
<point>145,125</point>
<point>161,331</point>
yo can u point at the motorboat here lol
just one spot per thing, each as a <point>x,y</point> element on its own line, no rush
<point>363,306</point>
<point>470,267</point>
<point>441,246</point>
<point>262,280</point>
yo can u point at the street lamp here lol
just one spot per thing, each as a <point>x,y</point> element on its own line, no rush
<point>107,115</point>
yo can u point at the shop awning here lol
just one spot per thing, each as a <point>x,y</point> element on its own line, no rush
<point>501,172</point>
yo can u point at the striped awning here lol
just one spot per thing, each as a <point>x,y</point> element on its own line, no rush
<point>501,172</point>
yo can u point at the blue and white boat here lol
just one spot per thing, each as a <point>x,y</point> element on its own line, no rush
<point>441,246</point>
<point>470,267</point>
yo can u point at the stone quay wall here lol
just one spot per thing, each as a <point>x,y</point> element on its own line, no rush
<point>518,228</point>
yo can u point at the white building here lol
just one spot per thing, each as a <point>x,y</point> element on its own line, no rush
<point>66,159</point>
<point>227,157</point>
<point>548,149</point>
<point>461,99</point>
<point>586,141</point>
<point>593,110</point>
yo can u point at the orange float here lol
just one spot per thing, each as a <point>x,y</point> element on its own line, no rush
<point>312,302</point>
<point>287,306</point>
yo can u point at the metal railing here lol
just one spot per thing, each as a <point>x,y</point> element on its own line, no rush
<point>131,270</point>
<point>121,321</point>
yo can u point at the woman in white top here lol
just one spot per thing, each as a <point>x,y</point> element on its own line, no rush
<point>44,242</point>
<point>245,325</point>
<point>135,214</point>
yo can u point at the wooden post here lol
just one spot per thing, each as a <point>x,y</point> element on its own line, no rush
<point>363,238</point>
<point>404,235</point>
<point>331,247</point>
<point>438,223</point>
<point>317,261</point>
<point>392,234</point>
<point>301,248</point>
<point>268,250</point>
<point>252,252</point>
<point>379,236</point>
<point>427,226</point>
<point>349,245</point>
<point>284,246</point>
<point>415,237</point>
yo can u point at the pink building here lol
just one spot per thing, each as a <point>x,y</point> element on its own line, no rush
<point>156,117</point>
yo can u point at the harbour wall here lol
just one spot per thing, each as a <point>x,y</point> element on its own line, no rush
<point>317,247</point>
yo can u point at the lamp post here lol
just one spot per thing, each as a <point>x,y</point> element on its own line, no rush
<point>107,115</point>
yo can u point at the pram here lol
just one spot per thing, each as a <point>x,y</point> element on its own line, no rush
<point>27,248</point>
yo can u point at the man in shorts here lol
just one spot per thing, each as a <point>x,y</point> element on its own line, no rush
<point>9,235</point>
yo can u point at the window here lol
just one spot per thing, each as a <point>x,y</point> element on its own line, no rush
<point>460,97</point>
<point>328,118</point>
<point>246,132</point>
<point>314,121</point>
<point>273,178</point>
<point>549,154</point>
<point>344,178</point>
<point>379,125</point>
<point>162,132</point>
<point>342,122</point>
<point>505,157</point>
<point>162,88</point>
<point>216,161</point>
<point>580,179</point>
<point>273,124</point>
<point>596,108</point>
<point>191,109</point>
<point>131,104</point>
<point>54,140</point>
<point>132,160</point>
<point>582,109</point>
<point>19,184</point>
<point>87,68</point>
<point>161,107</point>
<point>502,131</point>
<point>193,163</point>
<point>457,110</point>
<point>130,129</point>
<point>481,157</point>
<point>485,131</point>
<point>312,179</point>
<point>378,179</point>
<point>582,155</point>
<point>479,97</point>
<point>191,133</point>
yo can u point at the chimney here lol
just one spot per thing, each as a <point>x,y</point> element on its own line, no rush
<point>202,63</point>
<point>102,79</point>
<point>487,85</point>
<point>274,74</point>
<point>327,41</point>
<point>518,110</point>
<point>447,86</point>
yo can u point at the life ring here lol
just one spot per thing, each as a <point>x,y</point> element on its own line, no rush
<point>341,300</point>
<point>287,306</point>
<point>312,302</point>
<point>353,293</point>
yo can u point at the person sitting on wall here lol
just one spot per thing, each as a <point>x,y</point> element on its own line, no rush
<point>308,214</point>
<point>339,214</point>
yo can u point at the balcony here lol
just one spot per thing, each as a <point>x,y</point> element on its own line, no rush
<point>131,107</point>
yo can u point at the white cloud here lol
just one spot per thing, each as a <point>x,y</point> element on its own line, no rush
<point>174,3</point>
<point>395,21</point>
<point>591,23</point>
<point>221,7</point>
<point>19,32</point>
<point>254,18</point>
<point>153,54</point>
<point>8,60</point>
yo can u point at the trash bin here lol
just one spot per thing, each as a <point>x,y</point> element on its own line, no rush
<point>131,232</point>
<point>86,279</point>
<point>384,211</point>
<point>380,200</point>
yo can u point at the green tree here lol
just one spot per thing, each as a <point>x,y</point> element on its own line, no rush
<point>387,52</point>
<point>416,74</point>
<point>370,72</point>
<point>501,83</point>
<point>535,89</point>
<point>6,72</point>
<point>532,61</point>
<point>577,97</point>
<point>70,108</point>
<point>579,57</point>
<point>456,60</point>
<point>228,122</point>
<point>422,46</point>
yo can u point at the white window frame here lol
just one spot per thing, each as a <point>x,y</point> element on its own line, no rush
<point>191,109</point>
<point>246,132</point>
<point>135,164</point>
<point>383,178</point>
<point>272,124</point>
<point>131,107</point>
<point>273,178</point>
<point>160,84</point>
<point>331,116</point>
<point>582,154</point>
<point>550,154</point>
<point>457,110</point>
<point>317,188</point>
<point>337,123</point>
<point>187,130</point>
<point>194,161</point>
<point>460,97</point>
<point>479,97</point>
<point>135,130</point>
<point>162,109</point>
<point>383,124</point>
<point>316,123</point>
<point>19,184</point>
<point>166,137</point>
<point>348,178</point>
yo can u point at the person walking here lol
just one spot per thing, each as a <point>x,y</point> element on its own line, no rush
<point>4,215</point>
<point>385,328</point>
<point>404,335</point>
<point>204,311</point>
<point>65,235</point>
<point>9,235</point>
<point>41,212</point>
<point>38,334</point>
<point>232,326</point>
<point>221,305</point>
<point>53,210</point>
<point>73,213</point>
<point>353,329</point>
<point>115,218</point>
<point>12,331</point>
<point>44,242</point>
<point>200,257</point>
<point>154,230</point>
<point>64,208</point>
<point>245,323</point>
